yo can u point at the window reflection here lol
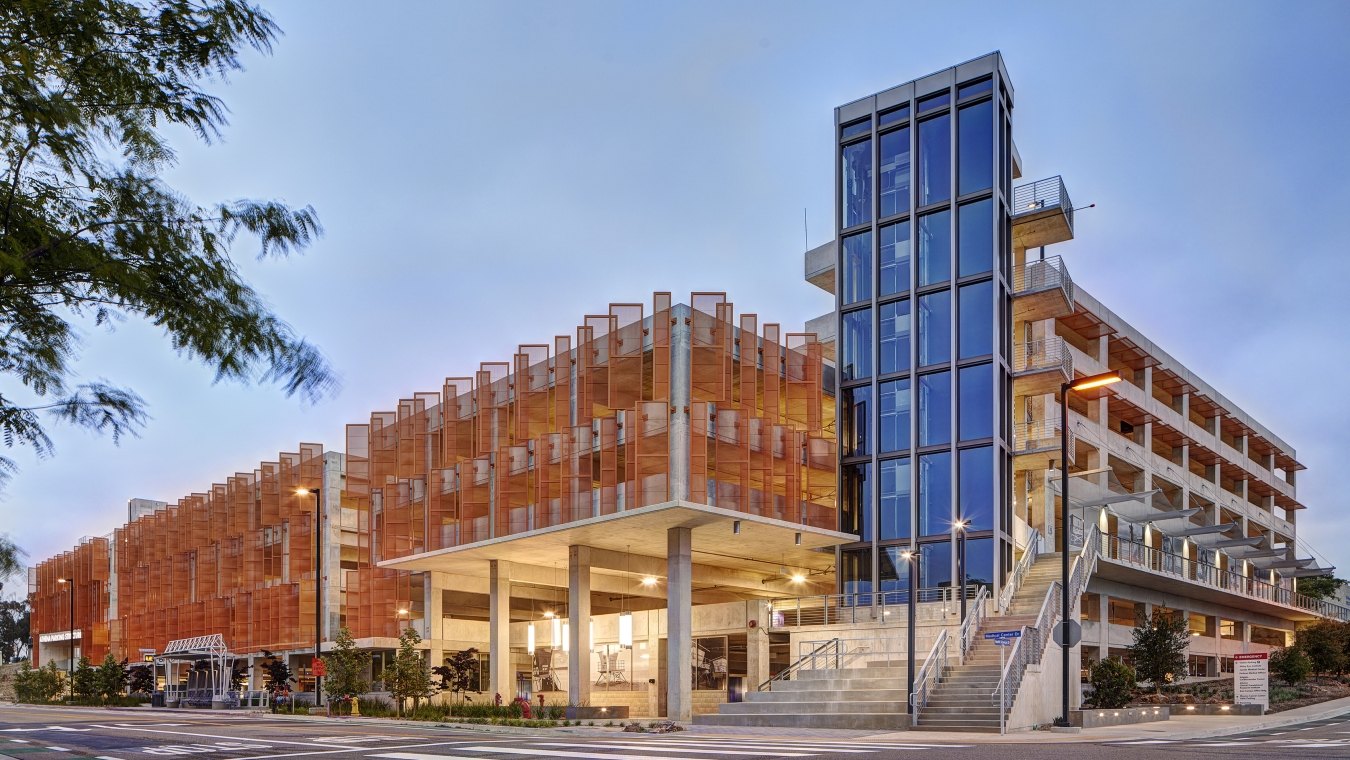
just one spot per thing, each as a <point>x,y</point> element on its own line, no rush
<point>977,488</point>
<point>935,248</point>
<point>854,421</point>
<point>893,434</point>
<point>895,172</point>
<point>935,409</point>
<point>975,238</point>
<point>975,320</point>
<point>895,502</point>
<point>855,345</point>
<point>975,147</point>
<point>935,160</point>
<point>894,327</point>
<point>894,259</point>
<point>935,328</point>
<point>935,565</point>
<point>855,184</point>
<point>855,512</point>
<point>976,408</point>
<point>855,277</point>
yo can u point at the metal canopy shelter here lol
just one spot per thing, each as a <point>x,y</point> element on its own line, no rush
<point>211,649</point>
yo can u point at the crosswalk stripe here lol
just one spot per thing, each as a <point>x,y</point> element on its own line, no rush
<point>656,747</point>
<point>565,753</point>
<point>775,745</point>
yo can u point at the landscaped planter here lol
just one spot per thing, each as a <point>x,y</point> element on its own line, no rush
<point>1123,716</point>
<point>597,713</point>
<point>1180,710</point>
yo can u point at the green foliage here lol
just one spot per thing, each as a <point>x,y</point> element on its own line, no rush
<point>346,667</point>
<point>85,684</point>
<point>1320,587</point>
<point>90,233</point>
<point>111,677</point>
<point>11,560</point>
<point>459,673</point>
<point>141,679</point>
<point>38,685</point>
<point>15,629</point>
<point>411,677</point>
<point>278,676</point>
<point>1159,649</point>
<point>375,708</point>
<point>1113,684</point>
<point>1325,643</point>
<point>1291,665</point>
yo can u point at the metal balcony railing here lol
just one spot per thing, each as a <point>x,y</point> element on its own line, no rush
<point>1041,355</point>
<point>1040,435</point>
<point>1039,275</point>
<point>1125,552</point>
<point>1043,194</point>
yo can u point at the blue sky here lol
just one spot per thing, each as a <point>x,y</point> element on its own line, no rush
<point>489,172</point>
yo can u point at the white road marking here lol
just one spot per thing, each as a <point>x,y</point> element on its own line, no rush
<point>45,728</point>
<point>225,738</point>
<point>19,741</point>
<point>58,749</point>
<point>559,753</point>
<point>107,757</point>
<point>761,745</point>
<point>655,747</point>
<point>349,749</point>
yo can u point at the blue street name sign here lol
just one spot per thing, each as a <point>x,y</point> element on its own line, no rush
<point>1003,638</point>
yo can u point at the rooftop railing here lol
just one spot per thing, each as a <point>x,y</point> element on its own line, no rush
<point>1043,194</point>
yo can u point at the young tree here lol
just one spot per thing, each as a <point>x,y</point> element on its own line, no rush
<point>412,678</point>
<point>1113,684</point>
<point>459,673</point>
<point>1159,649</point>
<point>1326,643</point>
<point>89,229</point>
<point>346,668</point>
<point>141,679</point>
<point>112,677</point>
<point>85,684</point>
<point>1291,665</point>
<point>279,676</point>
<point>11,559</point>
<point>38,685</point>
<point>14,630</point>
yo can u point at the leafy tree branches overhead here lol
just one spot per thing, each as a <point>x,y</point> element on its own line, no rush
<point>89,230</point>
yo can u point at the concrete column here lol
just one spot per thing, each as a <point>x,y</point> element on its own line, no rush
<point>1104,629</point>
<point>579,625</point>
<point>757,645</point>
<point>679,625</point>
<point>435,616</point>
<point>680,379</point>
<point>501,678</point>
<point>652,662</point>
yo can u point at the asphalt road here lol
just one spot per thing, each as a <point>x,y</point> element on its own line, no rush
<point>49,733</point>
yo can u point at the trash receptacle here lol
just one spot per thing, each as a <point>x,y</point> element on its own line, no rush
<point>157,699</point>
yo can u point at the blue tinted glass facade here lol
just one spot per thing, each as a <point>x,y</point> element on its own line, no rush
<point>921,353</point>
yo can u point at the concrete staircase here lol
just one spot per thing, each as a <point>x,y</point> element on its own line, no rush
<point>866,697</point>
<point>962,700</point>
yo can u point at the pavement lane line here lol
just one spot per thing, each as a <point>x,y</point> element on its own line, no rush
<point>226,737</point>
<point>803,746</point>
<point>371,749</point>
<point>58,749</point>
<point>653,747</point>
<point>565,753</point>
<point>812,743</point>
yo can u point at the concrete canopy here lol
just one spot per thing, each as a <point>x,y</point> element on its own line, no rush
<point>763,545</point>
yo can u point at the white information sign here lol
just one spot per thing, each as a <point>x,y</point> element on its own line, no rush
<point>1251,679</point>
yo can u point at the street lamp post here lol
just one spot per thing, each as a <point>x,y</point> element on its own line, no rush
<point>1081,384</point>
<point>911,557</point>
<point>961,526</point>
<point>70,633</point>
<point>318,584</point>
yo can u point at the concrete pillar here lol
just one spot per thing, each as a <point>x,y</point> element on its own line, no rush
<point>679,624</point>
<point>433,587</point>
<point>502,677</point>
<point>757,645</point>
<point>651,664</point>
<point>579,625</point>
<point>1104,628</point>
<point>680,379</point>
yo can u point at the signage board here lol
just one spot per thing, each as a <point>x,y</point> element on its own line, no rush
<point>320,669</point>
<point>1003,638</point>
<point>1251,679</point>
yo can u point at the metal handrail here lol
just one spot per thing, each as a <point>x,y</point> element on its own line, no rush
<point>974,617</point>
<point>1041,435</point>
<point>811,656</point>
<point>1044,274</point>
<point>1042,194</point>
<point>1042,354</point>
<point>1019,572</point>
<point>858,607</point>
<point>1124,551</point>
<point>928,675</point>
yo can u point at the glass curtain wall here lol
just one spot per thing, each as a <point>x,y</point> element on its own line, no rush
<point>923,301</point>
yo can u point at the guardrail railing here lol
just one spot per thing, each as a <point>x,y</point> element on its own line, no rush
<point>865,607</point>
<point>1039,275</point>
<point>1019,572</point>
<point>974,617</point>
<point>1042,354</point>
<point>1041,435</point>
<point>828,651</point>
<point>930,673</point>
<point>1042,194</point>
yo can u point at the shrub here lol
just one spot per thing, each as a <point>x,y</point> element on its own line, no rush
<point>37,685</point>
<point>1325,643</point>
<point>375,708</point>
<point>85,685</point>
<point>1113,684</point>
<point>1291,665</point>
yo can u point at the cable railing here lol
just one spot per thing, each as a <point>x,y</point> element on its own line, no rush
<point>1126,552</point>
<point>930,673</point>
<point>1039,275</point>
<point>1042,354</point>
<point>1042,194</point>
<point>1033,549</point>
<point>1041,435</point>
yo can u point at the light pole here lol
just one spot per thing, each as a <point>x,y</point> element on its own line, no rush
<point>70,632</point>
<point>911,557</point>
<point>1081,384</point>
<point>960,526</point>
<point>318,584</point>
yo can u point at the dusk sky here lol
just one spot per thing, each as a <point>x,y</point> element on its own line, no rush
<point>487,173</point>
